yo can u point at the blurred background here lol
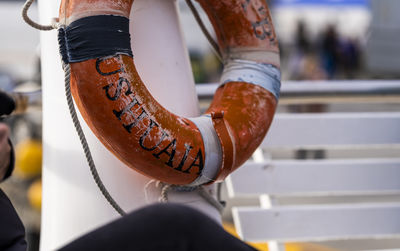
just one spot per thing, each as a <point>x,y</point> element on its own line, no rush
<point>334,40</point>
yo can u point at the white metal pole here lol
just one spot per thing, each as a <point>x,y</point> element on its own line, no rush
<point>72,204</point>
<point>161,55</point>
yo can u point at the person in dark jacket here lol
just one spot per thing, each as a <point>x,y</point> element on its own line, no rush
<point>12,231</point>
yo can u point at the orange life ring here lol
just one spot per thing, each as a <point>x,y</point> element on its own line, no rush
<point>136,128</point>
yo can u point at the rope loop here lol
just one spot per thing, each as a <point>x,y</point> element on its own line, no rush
<point>215,202</point>
<point>32,23</point>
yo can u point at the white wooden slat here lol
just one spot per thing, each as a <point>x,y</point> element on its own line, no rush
<point>307,88</point>
<point>316,177</point>
<point>318,223</point>
<point>296,130</point>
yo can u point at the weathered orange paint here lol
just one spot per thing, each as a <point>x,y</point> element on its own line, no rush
<point>237,24</point>
<point>241,112</point>
<point>248,113</point>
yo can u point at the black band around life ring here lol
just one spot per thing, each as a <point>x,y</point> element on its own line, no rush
<point>94,37</point>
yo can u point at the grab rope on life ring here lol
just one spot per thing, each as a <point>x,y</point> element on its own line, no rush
<point>95,41</point>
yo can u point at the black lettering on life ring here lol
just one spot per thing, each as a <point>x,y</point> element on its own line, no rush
<point>182,163</point>
<point>200,165</point>
<point>170,154</point>
<point>244,5</point>
<point>261,24</point>
<point>100,60</point>
<point>118,89</point>
<point>137,120</point>
<point>127,109</point>
<point>147,132</point>
<point>170,149</point>
<point>262,11</point>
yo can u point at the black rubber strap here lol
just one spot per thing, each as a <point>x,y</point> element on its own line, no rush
<point>94,37</point>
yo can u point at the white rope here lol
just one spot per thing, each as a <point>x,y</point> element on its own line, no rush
<point>32,23</point>
<point>203,28</point>
<point>217,203</point>
<point>85,145</point>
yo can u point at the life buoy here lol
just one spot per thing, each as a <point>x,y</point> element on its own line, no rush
<point>121,112</point>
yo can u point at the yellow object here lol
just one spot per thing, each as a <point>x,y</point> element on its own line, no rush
<point>35,195</point>
<point>28,159</point>
<point>230,228</point>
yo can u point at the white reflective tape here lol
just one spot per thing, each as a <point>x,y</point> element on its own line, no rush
<point>264,75</point>
<point>212,148</point>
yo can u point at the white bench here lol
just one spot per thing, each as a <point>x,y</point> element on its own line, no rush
<point>273,179</point>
